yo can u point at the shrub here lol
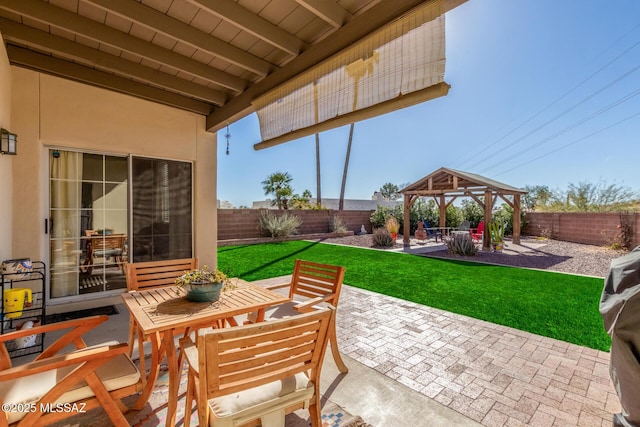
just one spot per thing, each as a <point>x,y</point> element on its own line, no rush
<point>337,225</point>
<point>461,244</point>
<point>392,225</point>
<point>379,217</point>
<point>274,225</point>
<point>382,238</point>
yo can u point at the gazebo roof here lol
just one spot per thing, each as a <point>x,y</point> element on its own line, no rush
<point>445,181</point>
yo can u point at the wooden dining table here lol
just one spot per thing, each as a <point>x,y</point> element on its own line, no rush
<point>160,312</point>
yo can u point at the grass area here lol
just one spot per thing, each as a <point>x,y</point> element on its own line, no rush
<point>555,305</point>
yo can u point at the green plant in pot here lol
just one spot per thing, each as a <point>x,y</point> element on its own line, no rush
<point>203,284</point>
<point>496,230</point>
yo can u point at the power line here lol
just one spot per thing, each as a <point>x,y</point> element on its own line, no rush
<point>569,144</point>
<point>582,101</point>
<point>568,128</point>
<point>473,157</point>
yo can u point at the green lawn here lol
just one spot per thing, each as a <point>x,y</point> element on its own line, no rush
<point>555,305</point>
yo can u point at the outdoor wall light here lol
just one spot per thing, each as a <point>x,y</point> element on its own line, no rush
<point>8,142</point>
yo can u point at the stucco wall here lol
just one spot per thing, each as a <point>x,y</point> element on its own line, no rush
<point>242,223</point>
<point>53,112</point>
<point>582,227</point>
<point>6,162</point>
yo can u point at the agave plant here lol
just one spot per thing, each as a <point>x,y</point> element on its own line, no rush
<point>461,244</point>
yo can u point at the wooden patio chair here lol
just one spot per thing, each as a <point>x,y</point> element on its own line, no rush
<point>257,371</point>
<point>109,246</point>
<point>84,378</point>
<point>476,233</point>
<point>153,274</point>
<point>311,284</point>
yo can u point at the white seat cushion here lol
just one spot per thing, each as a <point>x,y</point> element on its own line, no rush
<point>297,388</point>
<point>117,373</point>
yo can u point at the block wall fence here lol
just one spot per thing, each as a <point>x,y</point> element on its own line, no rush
<point>243,223</point>
<point>589,228</point>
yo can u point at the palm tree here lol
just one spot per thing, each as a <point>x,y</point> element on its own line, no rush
<point>357,69</point>
<point>278,185</point>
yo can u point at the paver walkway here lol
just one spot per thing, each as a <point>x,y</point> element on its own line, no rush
<point>493,374</point>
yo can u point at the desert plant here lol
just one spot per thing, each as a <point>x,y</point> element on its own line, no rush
<point>282,225</point>
<point>379,216</point>
<point>461,244</point>
<point>392,225</point>
<point>496,230</point>
<point>382,238</point>
<point>337,225</point>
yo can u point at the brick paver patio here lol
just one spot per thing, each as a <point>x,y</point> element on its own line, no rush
<point>495,375</point>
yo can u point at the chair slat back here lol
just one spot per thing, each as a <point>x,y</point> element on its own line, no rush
<point>311,280</point>
<point>108,242</point>
<point>243,357</point>
<point>141,275</point>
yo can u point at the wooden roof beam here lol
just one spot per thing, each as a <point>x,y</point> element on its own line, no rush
<point>66,20</point>
<point>58,67</point>
<point>237,15</point>
<point>12,31</point>
<point>329,12</point>
<point>173,28</point>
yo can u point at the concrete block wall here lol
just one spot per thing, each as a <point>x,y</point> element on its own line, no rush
<point>243,223</point>
<point>591,228</point>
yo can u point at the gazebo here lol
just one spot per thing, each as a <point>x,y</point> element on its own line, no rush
<point>446,185</point>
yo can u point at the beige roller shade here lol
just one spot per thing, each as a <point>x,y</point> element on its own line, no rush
<point>400,65</point>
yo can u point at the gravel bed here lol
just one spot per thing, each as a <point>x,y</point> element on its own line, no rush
<point>551,255</point>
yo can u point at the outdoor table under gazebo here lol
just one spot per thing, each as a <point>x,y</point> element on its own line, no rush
<point>446,185</point>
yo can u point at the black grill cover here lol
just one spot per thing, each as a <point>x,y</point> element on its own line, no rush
<point>620,309</point>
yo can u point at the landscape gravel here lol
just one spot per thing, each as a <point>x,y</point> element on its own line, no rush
<point>554,255</point>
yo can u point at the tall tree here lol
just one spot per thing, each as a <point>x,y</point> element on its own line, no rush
<point>357,70</point>
<point>390,191</point>
<point>278,184</point>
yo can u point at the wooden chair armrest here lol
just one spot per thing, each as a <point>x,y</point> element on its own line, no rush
<point>78,328</point>
<point>69,359</point>
<point>87,322</point>
<point>278,286</point>
<point>307,306</point>
<point>190,352</point>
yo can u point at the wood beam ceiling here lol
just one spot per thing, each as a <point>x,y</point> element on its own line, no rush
<point>66,20</point>
<point>158,21</point>
<point>237,15</point>
<point>329,12</point>
<point>93,57</point>
<point>71,71</point>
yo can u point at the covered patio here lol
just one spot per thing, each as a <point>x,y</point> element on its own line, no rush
<point>446,185</point>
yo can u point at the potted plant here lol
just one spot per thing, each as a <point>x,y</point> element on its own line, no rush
<point>392,227</point>
<point>496,230</point>
<point>203,284</point>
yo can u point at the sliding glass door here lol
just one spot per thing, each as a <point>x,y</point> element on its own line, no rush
<point>96,200</point>
<point>87,222</point>
<point>162,209</point>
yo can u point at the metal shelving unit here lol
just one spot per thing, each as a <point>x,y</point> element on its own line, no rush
<point>36,312</point>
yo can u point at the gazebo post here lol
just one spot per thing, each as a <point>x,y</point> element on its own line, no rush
<point>516,219</point>
<point>443,211</point>
<point>488,206</point>
<point>406,230</point>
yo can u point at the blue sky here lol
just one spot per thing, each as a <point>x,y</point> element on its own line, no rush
<point>542,92</point>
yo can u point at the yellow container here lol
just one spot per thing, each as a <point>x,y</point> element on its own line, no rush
<point>15,300</point>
